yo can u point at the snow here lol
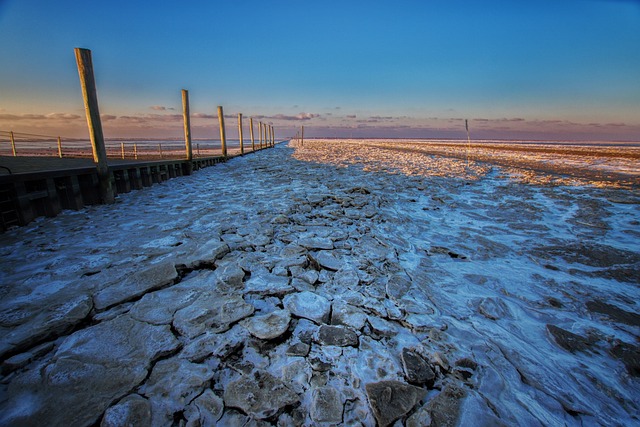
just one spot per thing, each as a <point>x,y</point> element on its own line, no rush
<point>491,256</point>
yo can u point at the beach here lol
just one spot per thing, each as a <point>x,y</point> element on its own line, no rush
<point>336,282</point>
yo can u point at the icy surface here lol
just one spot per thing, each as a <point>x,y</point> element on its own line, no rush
<point>520,297</point>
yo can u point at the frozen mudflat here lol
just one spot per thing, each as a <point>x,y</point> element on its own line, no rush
<point>330,284</point>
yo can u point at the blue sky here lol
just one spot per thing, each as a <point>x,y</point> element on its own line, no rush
<point>526,69</point>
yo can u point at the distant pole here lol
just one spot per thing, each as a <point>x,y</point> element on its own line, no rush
<point>187,131</point>
<point>253,142</point>
<point>466,125</point>
<point>59,147</point>
<point>302,137</point>
<point>198,149</point>
<point>135,151</point>
<point>13,143</point>
<point>260,127</point>
<point>271,134</point>
<point>223,136</point>
<point>122,150</point>
<point>160,149</point>
<point>240,134</point>
<point>88,84</point>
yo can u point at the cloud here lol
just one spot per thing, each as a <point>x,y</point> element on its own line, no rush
<point>204,116</point>
<point>108,117</point>
<point>299,116</point>
<point>50,116</point>
<point>161,108</point>
<point>351,116</point>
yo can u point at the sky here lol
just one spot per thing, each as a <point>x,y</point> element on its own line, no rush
<point>544,69</point>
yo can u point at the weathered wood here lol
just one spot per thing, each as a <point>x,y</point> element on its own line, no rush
<point>187,131</point>
<point>240,134</point>
<point>59,147</point>
<point>223,135</point>
<point>122,150</point>
<point>160,149</point>
<point>302,137</point>
<point>260,129</point>
<point>13,143</point>
<point>135,151</point>
<point>253,142</point>
<point>88,84</point>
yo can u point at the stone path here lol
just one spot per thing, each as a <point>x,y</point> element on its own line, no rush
<point>264,291</point>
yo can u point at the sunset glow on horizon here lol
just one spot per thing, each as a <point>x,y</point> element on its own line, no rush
<point>516,70</point>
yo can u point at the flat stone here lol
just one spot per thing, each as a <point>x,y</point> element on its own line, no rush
<point>382,327</point>
<point>416,369</point>
<point>268,326</point>
<point>397,286</point>
<point>205,254</point>
<point>326,259</point>
<point>347,315</point>
<point>205,410</point>
<point>614,313</point>
<point>259,394</point>
<point>174,383</point>
<point>132,410</point>
<point>315,243</point>
<point>326,405</point>
<point>217,345</point>
<point>229,275</point>
<point>629,355</point>
<point>298,349</point>
<point>391,400</point>
<point>213,312</point>
<point>337,335</point>
<point>268,284</point>
<point>493,308</point>
<point>308,305</point>
<point>135,285</point>
<point>445,407</point>
<point>91,369</point>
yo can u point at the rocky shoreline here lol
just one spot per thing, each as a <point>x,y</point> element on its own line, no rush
<point>285,293</point>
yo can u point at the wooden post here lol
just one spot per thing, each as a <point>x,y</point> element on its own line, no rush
<point>122,150</point>
<point>13,143</point>
<point>160,149</point>
<point>88,84</point>
<point>240,134</point>
<point>223,136</point>
<point>135,151</point>
<point>187,132</point>
<point>59,147</point>
<point>253,142</point>
<point>198,149</point>
<point>302,137</point>
<point>273,141</point>
<point>260,131</point>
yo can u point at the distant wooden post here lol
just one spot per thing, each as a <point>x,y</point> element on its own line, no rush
<point>302,137</point>
<point>223,136</point>
<point>160,149</point>
<point>260,128</point>
<point>253,142</point>
<point>59,147</point>
<point>135,151</point>
<point>273,138</point>
<point>122,150</point>
<point>88,84</point>
<point>13,143</point>
<point>188,168</point>
<point>198,149</point>
<point>240,134</point>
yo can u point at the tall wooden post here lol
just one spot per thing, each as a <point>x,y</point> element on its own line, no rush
<point>88,84</point>
<point>240,134</point>
<point>188,168</point>
<point>260,128</point>
<point>122,150</point>
<point>135,151</point>
<point>253,142</point>
<point>13,143</point>
<point>302,137</point>
<point>223,136</point>
<point>273,139</point>
<point>160,149</point>
<point>59,147</point>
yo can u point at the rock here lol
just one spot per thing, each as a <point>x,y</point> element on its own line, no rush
<point>305,330</point>
<point>298,349</point>
<point>205,254</point>
<point>229,275</point>
<point>205,410</point>
<point>268,326</point>
<point>268,284</point>
<point>326,405</point>
<point>337,335</point>
<point>391,400</point>
<point>347,315</point>
<point>445,407</point>
<point>493,308</point>
<point>315,243</point>
<point>309,306</point>
<point>416,369</point>
<point>613,312</point>
<point>326,259</point>
<point>297,374</point>
<point>346,278</point>
<point>132,410</point>
<point>629,355</point>
<point>211,311</point>
<point>136,284</point>
<point>55,316</point>
<point>91,369</point>
<point>259,394</point>
<point>398,285</point>
<point>212,344</point>
<point>568,340</point>
<point>381,327</point>
<point>174,383</point>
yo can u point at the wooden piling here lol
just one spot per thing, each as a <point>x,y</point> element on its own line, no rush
<point>223,136</point>
<point>187,132</point>
<point>88,84</point>
<point>122,150</point>
<point>59,147</point>
<point>135,151</point>
<point>253,142</point>
<point>240,134</point>
<point>260,128</point>
<point>302,137</point>
<point>13,143</point>
<point>160,149</point>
